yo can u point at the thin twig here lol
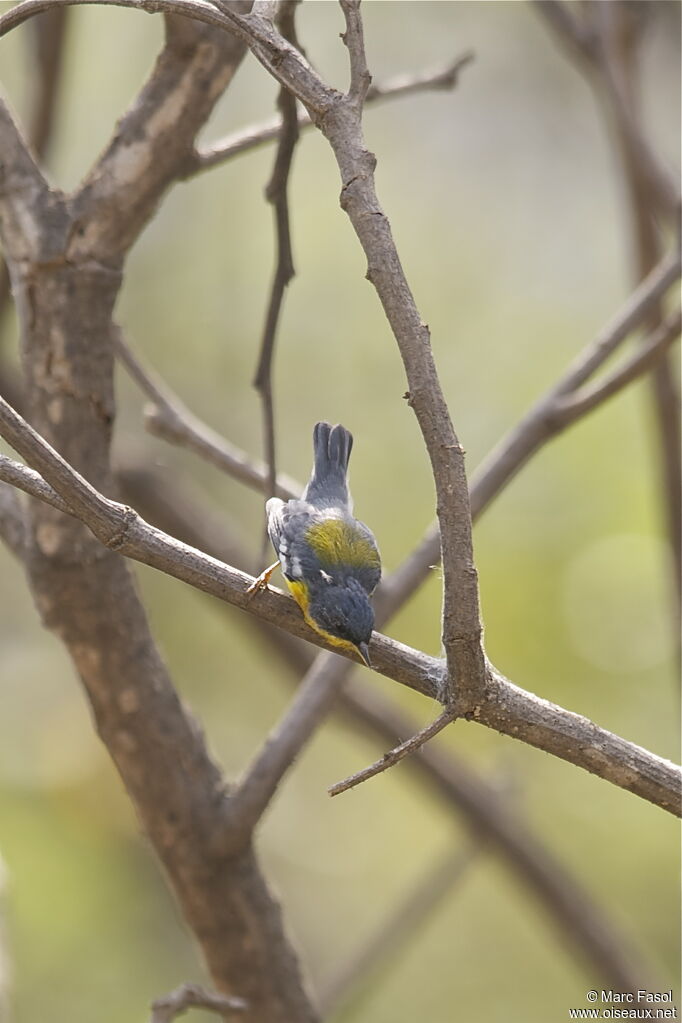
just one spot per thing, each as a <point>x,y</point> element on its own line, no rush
<point>192,996</point>
<point>247,139</point>
<point>353,37</point>
<point>586,398</point>
<point>277,195</point>
<point>395,755</point>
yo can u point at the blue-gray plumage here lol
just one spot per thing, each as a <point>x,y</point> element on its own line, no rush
<point>330,560</point>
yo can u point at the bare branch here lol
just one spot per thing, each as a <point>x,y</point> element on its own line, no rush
<point>505,707</point>
<point>170,419</point>
<point>24,478</point>
<point>192,996</point>
<point>579,402</point>
<point>562,19</point>
<point>276,194</point>
<point>246,139</point>
<point>353,37</point>
<point>395,755</point>
<point>121,529</point>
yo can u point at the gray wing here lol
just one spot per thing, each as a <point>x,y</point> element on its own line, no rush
<point>287,523</point>
<point>368,575</point>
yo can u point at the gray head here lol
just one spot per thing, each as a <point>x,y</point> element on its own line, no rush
<point>345,613</point>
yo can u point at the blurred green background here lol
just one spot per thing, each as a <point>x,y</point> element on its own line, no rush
<point>508,211</point>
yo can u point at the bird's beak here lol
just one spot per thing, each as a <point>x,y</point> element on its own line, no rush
<point>363,650</point>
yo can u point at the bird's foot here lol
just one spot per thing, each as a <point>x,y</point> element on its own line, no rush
<point>261,582</point>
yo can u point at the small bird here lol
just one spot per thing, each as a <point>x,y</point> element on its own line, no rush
<point>329,560</point>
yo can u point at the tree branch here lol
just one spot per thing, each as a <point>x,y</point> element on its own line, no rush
<point>276,194</point>
<point>587,398</point>
<point>395,755</point>
<point>247,139</point>
<point>505,707</point>
<point>173,507</point>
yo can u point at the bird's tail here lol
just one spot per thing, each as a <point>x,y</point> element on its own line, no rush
<point>328,486</point>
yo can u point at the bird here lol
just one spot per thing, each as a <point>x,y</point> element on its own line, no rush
<point>329,559</point>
